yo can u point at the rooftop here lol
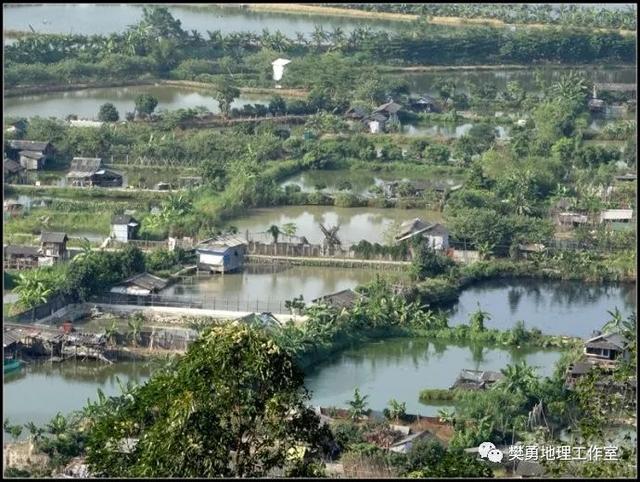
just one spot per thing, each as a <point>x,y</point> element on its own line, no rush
<point>341,299</point>
<point>51,237</point>
<point>123,219</point>
<point>146,281</point>
<point>21,145</point>
<point>222,242</point>
<point>84,166</point>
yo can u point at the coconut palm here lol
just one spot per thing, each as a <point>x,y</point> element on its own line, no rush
<point>446,416</point>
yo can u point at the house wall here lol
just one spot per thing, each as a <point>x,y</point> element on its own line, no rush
<point>120,232</point>
<point>229,260</point>
<point>440,242</point>
<point>31,164</point>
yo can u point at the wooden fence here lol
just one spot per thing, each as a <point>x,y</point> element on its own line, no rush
<point>313,251</point>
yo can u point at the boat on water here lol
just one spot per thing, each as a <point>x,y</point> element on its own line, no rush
<point>11,365</point>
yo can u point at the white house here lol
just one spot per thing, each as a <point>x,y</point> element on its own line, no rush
<point>616,215</point>
<point>123,227</point>
<point>222,254</point>
<point>436,235</point>
<point>278,68</point>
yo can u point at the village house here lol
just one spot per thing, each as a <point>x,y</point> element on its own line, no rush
<point>87,172</point>
<point>143,284</point>
<point>13,172</point>
<point>32,155</point>
<point>345,299</point>
<point>616,218</point>
<point>476,379</point>
<point>53,248</point>
<point>124,227</point>
<point>381,116</point>
<point>263,320</point>
<point>606,347</point>
<point>12,208</point>
<point>424,103</point>
<point>20,257</point>
<point>436,235</point>
<point>355,113</point>
<point>222,254</point>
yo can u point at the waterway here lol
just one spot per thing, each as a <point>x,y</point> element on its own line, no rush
<point>376,225</point>
<point>85,103</point>
<point>569,308</point>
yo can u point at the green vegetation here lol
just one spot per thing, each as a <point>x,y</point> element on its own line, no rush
<point>245,426</point>
<point>158,47</point>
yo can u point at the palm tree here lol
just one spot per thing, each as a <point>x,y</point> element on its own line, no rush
<point>275,232</point>
<point>358,405</point>
<point>615,324</point>
<point>58,425</point>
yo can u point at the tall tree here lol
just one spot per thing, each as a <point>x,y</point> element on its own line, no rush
<point>233,406</point>
<point>225,94</point>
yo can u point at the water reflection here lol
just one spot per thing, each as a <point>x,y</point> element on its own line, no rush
<point>355,223</point>
<point>555,307</point>
<point>41,389</point>
<point>400,368</point>
<point>85,103</point>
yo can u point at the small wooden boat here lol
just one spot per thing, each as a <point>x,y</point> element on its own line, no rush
<point>11,365</point>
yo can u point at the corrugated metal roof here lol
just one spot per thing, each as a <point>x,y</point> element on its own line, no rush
<point>51,237</point>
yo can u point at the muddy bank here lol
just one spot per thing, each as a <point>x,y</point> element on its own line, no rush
<point>42,89</point>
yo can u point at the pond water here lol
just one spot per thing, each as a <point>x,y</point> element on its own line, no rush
<point>90,19</point>
<point>85,103</point>
<point>556,307</point>
<point>426,82</point>
<point>39,390</point>
<point>361,181</point>
<point>376,225</point>
<point>266,287</point>
<point>400,368</point>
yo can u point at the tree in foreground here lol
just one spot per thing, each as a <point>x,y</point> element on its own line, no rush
<point>234,405</point>
<point>108,113</point>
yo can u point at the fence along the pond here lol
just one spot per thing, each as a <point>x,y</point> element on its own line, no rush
<point>200,302</point>
<point>39,312</point>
